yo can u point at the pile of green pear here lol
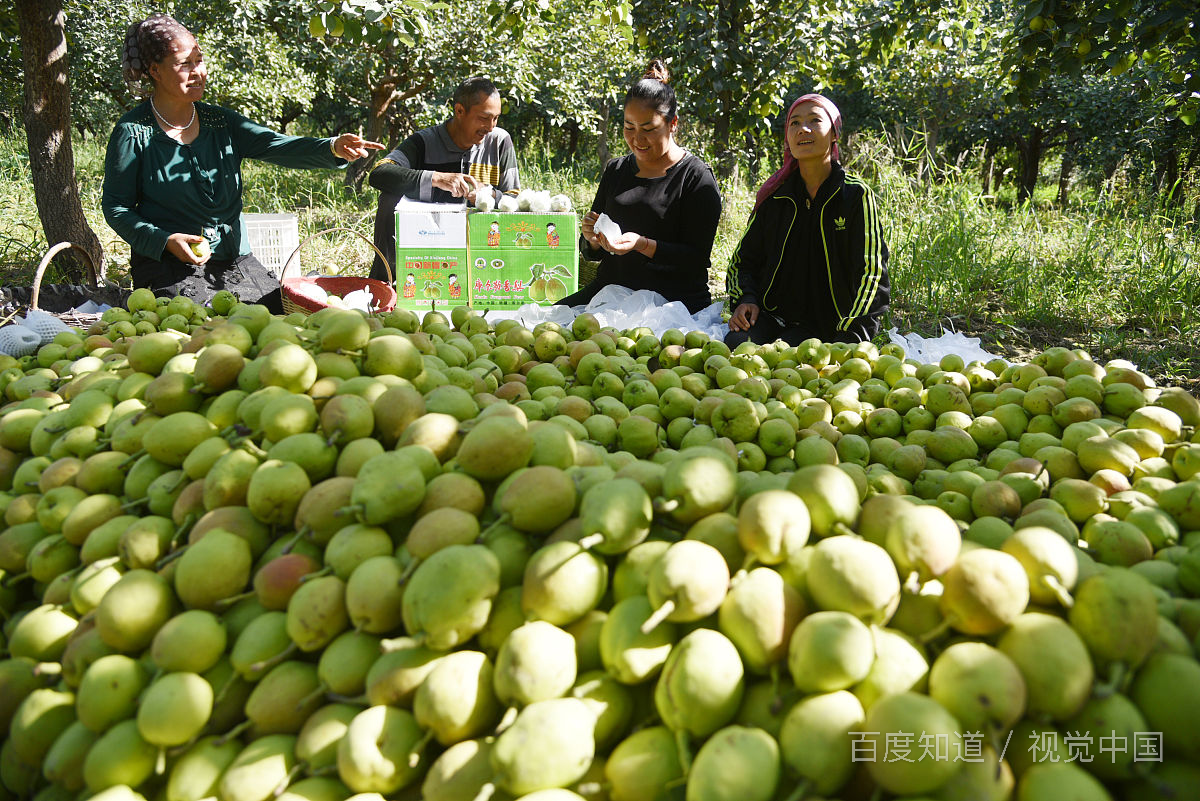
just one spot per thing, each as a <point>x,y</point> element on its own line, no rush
<point>248,557</point>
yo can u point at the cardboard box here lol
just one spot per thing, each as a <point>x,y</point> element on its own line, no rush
<point>430,277</point>
<point>431,255</point>
<point>521,257</point>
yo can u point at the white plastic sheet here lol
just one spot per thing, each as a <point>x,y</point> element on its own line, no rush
<point>931,351</point>
<point>624,308</point>
<point>91,307</point>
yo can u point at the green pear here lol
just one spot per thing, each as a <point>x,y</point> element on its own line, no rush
<point>1054,662</point>
<point>449,597</point>
<point>174,709</point>
<point>284,698</point>
<point>830,651</point>
<point>550,744</point>
<point>258,769</point>
<point>701,684</point>
<point>192,641</point>
<point>815,739</point>
<point>196,773</point>
<point>377,754</point>
<point>134,609</point>
<point>562,583</point>
<point>213,569</point>
<point>317,742</point>
<point>317,613</point>
<point>979,685</point>
<point>536,662</point>
<point>643,765</point>
<point>456,701</point>
<point>119,757</point>
<point>758,615</point>
<point>736,763</point>
<point>688,582</point>
<point>911,712</point>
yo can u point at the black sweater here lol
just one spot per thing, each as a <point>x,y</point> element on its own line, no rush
<point>818,262</point>
<point>679,210</point>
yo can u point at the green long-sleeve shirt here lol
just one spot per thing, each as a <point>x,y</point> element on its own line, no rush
<point>155,187</point>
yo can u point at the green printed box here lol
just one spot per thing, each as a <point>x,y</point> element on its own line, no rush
<point>521,257</point>
<point>432,277</point>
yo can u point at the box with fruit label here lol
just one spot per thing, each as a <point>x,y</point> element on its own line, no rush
<point>425,280</point>
<point>431,255</point>
<point>521,257</point>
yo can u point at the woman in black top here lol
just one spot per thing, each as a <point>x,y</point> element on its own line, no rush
<point>664,199</point>
<point>813,262</point>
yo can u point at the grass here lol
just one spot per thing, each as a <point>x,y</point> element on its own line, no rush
<point>1114,274</point>
<point>1117,276</point>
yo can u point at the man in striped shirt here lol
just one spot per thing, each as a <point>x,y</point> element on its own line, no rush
<point>447,161</point>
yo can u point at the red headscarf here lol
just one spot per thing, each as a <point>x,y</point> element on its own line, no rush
<point>789,161</point>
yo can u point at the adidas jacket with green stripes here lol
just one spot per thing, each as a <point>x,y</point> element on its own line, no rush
<point>820,263</point>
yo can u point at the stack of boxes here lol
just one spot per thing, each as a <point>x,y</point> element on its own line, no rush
<point>449,256</point>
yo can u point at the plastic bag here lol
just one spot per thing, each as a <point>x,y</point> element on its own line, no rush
<point>624,308</point>
<point>605,225</point>
<point>931,351</point>
<point>360,299</point>
<point>91,307</point>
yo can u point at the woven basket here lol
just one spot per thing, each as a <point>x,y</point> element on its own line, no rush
<point>76,319</point>
<point>295,302</point>
<point>587,272</point>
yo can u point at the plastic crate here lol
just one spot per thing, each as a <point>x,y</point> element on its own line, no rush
<point>273,238</point>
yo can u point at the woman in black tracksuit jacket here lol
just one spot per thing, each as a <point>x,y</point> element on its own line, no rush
<point>813,262</point>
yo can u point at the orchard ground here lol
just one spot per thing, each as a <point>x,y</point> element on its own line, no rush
<point>1116,273</point>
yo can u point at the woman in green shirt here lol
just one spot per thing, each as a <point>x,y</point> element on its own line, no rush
<point>172,174</point>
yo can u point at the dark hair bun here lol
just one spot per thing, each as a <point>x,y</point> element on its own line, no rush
<point>147,42</point>
<point>657,70</point>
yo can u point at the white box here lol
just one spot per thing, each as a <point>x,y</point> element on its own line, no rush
<point>273,238</point>
<point>430,225</point>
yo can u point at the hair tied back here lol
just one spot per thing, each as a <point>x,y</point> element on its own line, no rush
<point>656,70</point>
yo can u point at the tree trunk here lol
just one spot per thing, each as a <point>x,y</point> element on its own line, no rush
<point>1030,151</point>
<point>989,166</point>
<point>47,115</point>
<point>755,157</point>
<point>602,145</point>
<point>1171,189</point>
<point>929,165</point>
<point>385,93</point>
<point>721,130</point>
<point>1064,176</point>
<point>572,139</point>
<point>731,24</point>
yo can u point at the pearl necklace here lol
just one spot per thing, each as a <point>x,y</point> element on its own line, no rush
<point>167,122</point>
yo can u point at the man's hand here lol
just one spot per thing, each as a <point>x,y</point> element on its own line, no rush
<point>180,246</point>
<point>744,316</point>
<point>456,183</point>
<point>352,147</point>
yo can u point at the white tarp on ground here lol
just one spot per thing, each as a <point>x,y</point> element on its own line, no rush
<point>624,308</point>
<point>931,351</point>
